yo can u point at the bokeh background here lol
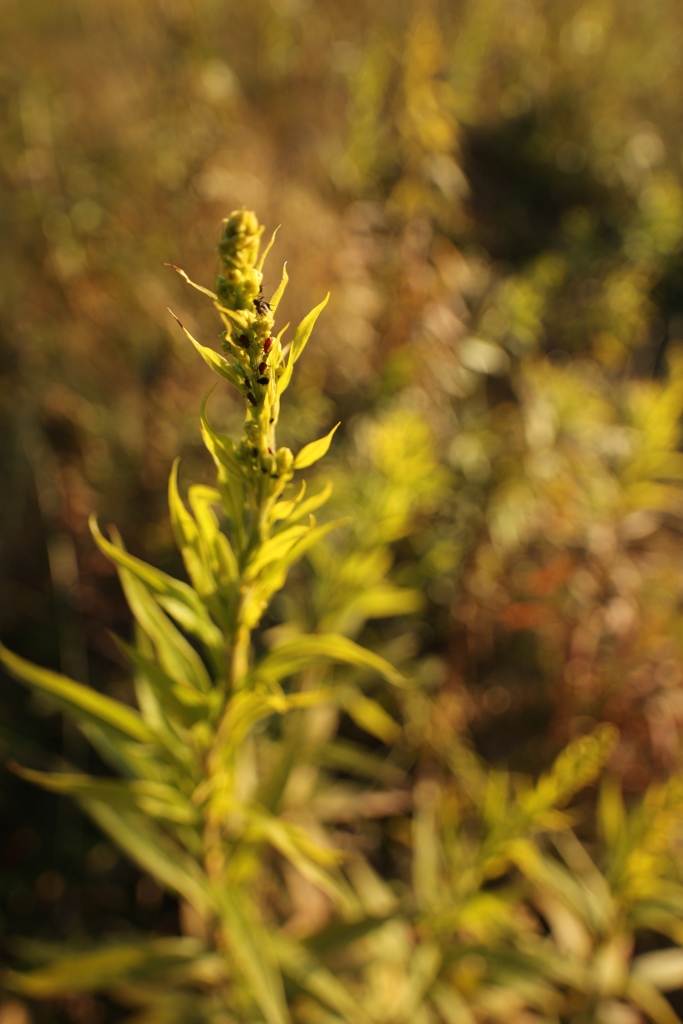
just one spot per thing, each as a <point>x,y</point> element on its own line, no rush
<point>492,190</point>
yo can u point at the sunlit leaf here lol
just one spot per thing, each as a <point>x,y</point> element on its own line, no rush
<point>215,360</point>
<point>296,655</point>
<point>178,599</point>
<point>301,336</point>
<point>250,945</point>
<point>314,451</point>
<point>153,851</point>
<point>279,292</point>
<point>155,799</point>
<point>81,701</point>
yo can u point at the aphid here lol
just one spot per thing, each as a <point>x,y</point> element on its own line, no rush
<point>262,307</point>
<point>243,340</point>
<point>262,367</point>
<point>266,345</point>
<point>263,380</point>
<point>251,398</point>
<point>254,452</point>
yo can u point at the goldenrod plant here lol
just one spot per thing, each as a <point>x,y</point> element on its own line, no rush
<point>203,774</point>
<point>338,851</point>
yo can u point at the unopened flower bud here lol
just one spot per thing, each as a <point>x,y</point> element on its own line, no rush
<point>284,460</point>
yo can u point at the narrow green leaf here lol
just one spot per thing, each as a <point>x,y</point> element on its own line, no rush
<point>214,546</point>
<point>574,768</point>
<point>274,578</point>
<point>354,759</point>
<point>314,451</point>
<point>154,799</point>
<point>451,1005</point>
<point>176,655</point>
<point>259,265</point>
<point>218,363</point>
<point>303,331</point>
<point>371,716</point>
<point>301,336</point>
<point>250,945</point>
<point>81,972</point>
<point>384,601</point>
<point>187,535</point>
<point>275,548</point>
<point>310,975</point>
<point>221,448</point>
<point>79,700</point>
<point>424,968</point>
<point>66,970</point>
<point>277,295</point>
<point>153,851</point>
<point>282,837</point>
<point>179,600</point>
<point>181,703</point>
<point>646,997</point>
<point>199,287</point>
<point>311,504</point>
<point>284,509</point>
<point>428,882</point>
<point>237,317</point>
<point>611,812</point>
<point>342,935</point>
<point>302,652</point>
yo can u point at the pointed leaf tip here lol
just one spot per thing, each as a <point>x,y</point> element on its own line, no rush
<point>314,451</point>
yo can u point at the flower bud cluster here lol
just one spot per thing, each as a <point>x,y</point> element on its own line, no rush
<point>257,357</point>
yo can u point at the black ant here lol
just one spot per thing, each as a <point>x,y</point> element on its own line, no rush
<point>262,307</point>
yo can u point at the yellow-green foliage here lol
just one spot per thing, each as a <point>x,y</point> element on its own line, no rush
<point>263,785</point>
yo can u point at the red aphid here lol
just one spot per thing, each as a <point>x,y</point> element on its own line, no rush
<point>266,345</point>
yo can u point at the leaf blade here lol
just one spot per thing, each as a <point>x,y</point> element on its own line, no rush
<point>81,699</point>
<point>314,451</point>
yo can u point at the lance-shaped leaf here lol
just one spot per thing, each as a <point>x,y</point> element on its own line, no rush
<point>153,851</point>
<point>284,509</point>
<point>242,319</point>
<point>259,265</point>
<point>275,548</point>
<point>179,600</point>
<point>82,702</point>
<point>273,579</point>
<point>302,652</point>
<point>215,360</point>
<point>298,964</point>
<point>250,945</point>
<point>308,506</point>
<point>279,292</point>
<point>575,767</point>
<point>647,998</point>
<point>176,655</point>
<point>370,715</point>
<point>199,287</point>
<point>301,336</point>
<point>312,861</point>
<point>221,448</point>
<point>90,970</point>
<point>410,994</point>
<point>154,799</point>
<point>187,538</point>
<point>314,451</point>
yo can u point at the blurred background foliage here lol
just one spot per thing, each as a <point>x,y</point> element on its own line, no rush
<point>493,193</point>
